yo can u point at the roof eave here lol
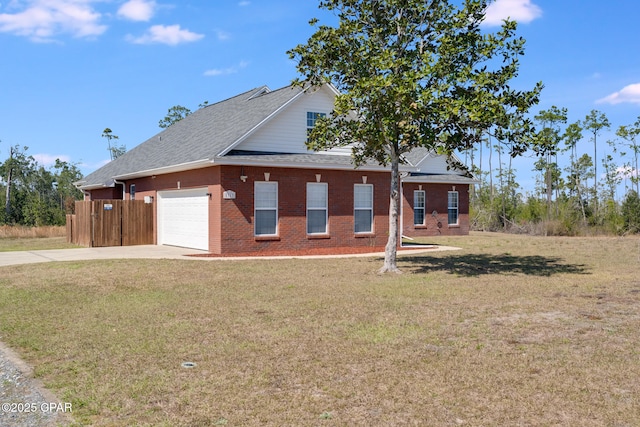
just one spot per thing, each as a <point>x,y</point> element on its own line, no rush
<point>93,187</point>
<point>197,164</point>
<point>441,179</point>
<point>237,160</point>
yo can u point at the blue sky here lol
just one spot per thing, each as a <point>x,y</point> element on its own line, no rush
<point>71,68</point>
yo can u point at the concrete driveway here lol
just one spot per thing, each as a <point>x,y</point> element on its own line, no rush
<point>160,252</point>
<point>116,252</point>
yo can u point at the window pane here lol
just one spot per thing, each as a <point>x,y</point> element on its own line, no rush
<point>418,207</point>
<point>266,222</point>
<point>316,195</point>
<point>266,195</point>
<point>312,117</point>
<point>453,216</point>
<point>363,221</point>
<point>453,207</point>
<point>453,199</point>
<point>316,221</point>
<point>363,196</point>
<point>266,208</point>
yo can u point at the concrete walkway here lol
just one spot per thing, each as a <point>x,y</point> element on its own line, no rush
<point>161,252</point>
<point>116,252</point>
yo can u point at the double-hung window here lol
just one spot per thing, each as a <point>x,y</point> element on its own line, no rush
<point>266,208</point>
<point>132,192</point>
<point>317,202</point>
<point>418,207</point>
<point>453,208</point>
<point>312,117</point>
<point>363,208</point>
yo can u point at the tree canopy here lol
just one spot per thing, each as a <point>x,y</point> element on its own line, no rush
<point>174,114</point>
<point>414,74</point>
<point>115,151</point>
<point>34,195</point>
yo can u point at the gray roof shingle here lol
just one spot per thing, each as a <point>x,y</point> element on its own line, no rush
<point>200,138</point>
<point>201,135</point>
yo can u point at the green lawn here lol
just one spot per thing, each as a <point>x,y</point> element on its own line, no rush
<point>34,244</point>
<point>510,330</point>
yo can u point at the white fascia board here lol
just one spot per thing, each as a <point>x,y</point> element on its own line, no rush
<point>259,125</point>
<point>333,89</point>
<point>419,161</point>
<point>440,179</point>
<point>297,165</point>
<point>197,164</point>
<point>93,187</point>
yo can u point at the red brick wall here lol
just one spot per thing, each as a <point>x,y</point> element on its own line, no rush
<point>237,215</point>
<point>114,193</point>
<point>436,200</point>
<point>197,178</point>
<point>231,226</point>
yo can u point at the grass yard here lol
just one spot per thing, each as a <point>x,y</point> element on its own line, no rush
<point>19,238</point>
<point>511,330</point>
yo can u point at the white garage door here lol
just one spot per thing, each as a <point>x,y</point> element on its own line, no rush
<point>183,218</point>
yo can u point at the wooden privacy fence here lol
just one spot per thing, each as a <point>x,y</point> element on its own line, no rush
<point>99,223</point>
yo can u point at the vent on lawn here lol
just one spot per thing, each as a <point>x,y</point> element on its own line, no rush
<point>188,364</point>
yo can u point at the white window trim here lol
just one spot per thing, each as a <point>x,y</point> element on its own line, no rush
<point>457,208</point>
<point>423,208</point>
<point>362,209</point>
<point>256,209</point>
<point>316,116</point>
<point>325,209</point>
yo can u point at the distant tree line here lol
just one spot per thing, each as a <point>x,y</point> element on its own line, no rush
<point>33,195</point>
<point>580,198</point>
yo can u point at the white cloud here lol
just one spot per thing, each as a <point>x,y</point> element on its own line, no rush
<point>627,172</point>
<point>90,167</point>
<point>223,35</point>
<point>137,10</point>
<point>629,94</point>
<point>226,71</point>
<point>521,11</point>
<point>171,35</point>
<point>42,20</point>
<point>47,160</point>
<point>244,3</point>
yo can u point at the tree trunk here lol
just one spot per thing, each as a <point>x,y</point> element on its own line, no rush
<point>391,249</point>
<point>7,205</point>
<point>635,150</point>
<point>548,186</point>
<point>595,178</point>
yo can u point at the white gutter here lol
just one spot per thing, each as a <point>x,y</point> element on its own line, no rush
<point>202,163</point>
<point>297,165</point>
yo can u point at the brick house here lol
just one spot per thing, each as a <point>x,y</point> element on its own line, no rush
<point>235,177</point>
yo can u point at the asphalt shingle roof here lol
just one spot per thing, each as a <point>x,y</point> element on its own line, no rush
<point>201,135</point>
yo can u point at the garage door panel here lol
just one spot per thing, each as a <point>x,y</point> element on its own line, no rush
<point>183,218</point>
